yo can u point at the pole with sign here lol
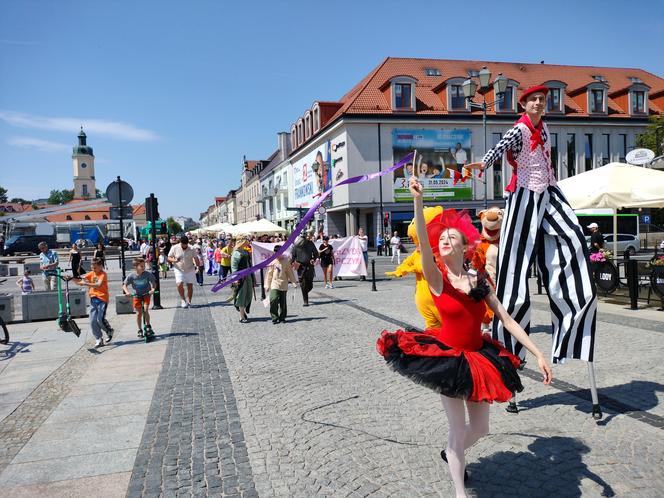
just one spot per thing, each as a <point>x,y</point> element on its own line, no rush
<point>119,193</point>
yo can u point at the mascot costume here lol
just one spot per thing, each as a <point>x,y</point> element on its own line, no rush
<point>485,257</point>
<point>413,264</point>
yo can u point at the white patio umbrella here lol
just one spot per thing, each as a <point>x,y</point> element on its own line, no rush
<point>615,186</point>
<point>261,226</point>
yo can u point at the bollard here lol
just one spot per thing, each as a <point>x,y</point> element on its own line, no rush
<point>632,270</point>
<point>539,279</point>
<point>262,286</point>
<point>373,275</point>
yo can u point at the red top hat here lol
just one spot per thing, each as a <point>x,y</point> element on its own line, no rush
<point>533,89</point>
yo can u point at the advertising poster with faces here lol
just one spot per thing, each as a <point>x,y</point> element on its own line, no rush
<point>439,154</point>
<point>312,175</point>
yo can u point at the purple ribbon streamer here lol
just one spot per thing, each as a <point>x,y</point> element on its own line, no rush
<point>305,220</point>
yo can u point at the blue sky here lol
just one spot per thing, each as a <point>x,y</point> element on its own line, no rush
<point>173,94</point>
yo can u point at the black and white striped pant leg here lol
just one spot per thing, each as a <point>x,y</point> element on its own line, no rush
<point>566,274</point>
<point>523,213</point>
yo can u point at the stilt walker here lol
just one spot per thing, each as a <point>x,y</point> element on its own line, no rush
<point>540,225</point>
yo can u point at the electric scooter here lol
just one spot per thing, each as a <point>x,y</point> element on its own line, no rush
<point>65,321</point>
<point>148,333</point>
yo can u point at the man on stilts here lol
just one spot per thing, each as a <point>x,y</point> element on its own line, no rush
<point>539,225</point>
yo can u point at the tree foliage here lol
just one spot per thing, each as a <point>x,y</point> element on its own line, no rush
<point>648,139</point>
<point>3,194</point>
<point>60,196</point>
<point>173,226</point>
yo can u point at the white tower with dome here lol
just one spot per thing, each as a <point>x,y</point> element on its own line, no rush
<point>84,169</point>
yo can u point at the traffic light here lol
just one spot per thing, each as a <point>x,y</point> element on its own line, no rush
<point>163,228</point>
<point>151,208</point>
<point>386,220</point>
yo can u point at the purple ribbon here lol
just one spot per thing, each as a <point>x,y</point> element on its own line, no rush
<point>305,220</point>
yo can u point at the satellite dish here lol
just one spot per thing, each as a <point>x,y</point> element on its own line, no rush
<point>639,157</point>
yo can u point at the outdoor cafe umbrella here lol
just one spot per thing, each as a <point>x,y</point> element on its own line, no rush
<point>615,186</point>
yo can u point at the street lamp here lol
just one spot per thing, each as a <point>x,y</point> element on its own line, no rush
<point>469,88</point>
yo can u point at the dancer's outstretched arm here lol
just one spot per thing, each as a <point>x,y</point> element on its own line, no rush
<point>431,272</point>
<point>519,334</point>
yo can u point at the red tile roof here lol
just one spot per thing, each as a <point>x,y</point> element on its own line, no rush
<point>370,97</point>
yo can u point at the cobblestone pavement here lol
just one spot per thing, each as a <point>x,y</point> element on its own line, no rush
<point>323,416</point>
<point>193,443</point>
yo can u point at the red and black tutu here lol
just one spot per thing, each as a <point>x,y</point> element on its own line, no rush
<point>486,374</point>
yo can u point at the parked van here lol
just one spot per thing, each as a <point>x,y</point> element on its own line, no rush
<point>28,244</point>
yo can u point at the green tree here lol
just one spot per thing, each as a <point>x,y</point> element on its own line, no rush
<point>98,193</point>
<point>648,139</point>
<point>3,194</point>
<point>173,226</point>
<point>19,200</point>
<point>60,196</point>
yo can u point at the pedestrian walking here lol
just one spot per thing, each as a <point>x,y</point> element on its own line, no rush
<point>209,254</point>
<point>144,285</point>
<point>200,263</point>
<point>48,263</point>
<point>364,246</point>
<point>225,265</point>
<point>303,257</point>
<point>184,267</point>
<point>468,369</point>
<point>326,253</point>
<point>75,260</point>
<point>100,253</point>
<point>97,283</point>
<point>596,238</point>
<point>380,242</point>
<point>243,288</point>
<point>279,274</point>
<point>395,246</point>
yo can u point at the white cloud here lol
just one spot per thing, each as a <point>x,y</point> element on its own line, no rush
<point>36,143</point>
<point>115,129</point>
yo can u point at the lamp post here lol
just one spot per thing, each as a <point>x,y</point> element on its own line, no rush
<point>469,88</point>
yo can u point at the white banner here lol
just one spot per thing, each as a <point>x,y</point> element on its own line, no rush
<point>348,259</point>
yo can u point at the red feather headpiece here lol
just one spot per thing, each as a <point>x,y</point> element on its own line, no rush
<point>459,220</point>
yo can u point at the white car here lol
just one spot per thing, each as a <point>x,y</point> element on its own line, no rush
<point>626,242</point>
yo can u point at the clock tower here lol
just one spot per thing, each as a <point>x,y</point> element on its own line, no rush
<point>84,169</point>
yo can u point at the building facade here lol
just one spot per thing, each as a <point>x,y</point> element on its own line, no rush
<point>594,116</point>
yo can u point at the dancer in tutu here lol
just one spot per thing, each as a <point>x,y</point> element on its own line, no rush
<point>468,369</point>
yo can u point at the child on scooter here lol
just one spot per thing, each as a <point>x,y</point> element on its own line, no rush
<point>144,284</point>
<point>97,281</point>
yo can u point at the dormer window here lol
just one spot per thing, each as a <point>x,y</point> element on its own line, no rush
<point>402,96</point>
<point>506,103</point>
<point>431,71</point>
<point>457,101</point>
<point>293,137</point>
<point>307,126</point>
<point>638,102</point>
<point>553,100</point>
<point>316,114</point>
<point>403,92</point>
<point>597,101</point>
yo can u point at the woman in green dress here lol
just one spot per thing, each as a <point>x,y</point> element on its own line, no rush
<point>244,290</point>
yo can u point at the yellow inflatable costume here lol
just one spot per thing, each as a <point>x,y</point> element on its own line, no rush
<point>413,264</point>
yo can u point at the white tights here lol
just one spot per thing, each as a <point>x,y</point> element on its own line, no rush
<point>462,436</point>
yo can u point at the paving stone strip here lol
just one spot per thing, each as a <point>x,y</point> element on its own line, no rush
<point>19,426</point>
<point>193,443</point>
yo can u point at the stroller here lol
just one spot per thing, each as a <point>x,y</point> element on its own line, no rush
<point>65,321</point>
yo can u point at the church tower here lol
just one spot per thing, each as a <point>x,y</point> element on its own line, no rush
<point>84,169</point>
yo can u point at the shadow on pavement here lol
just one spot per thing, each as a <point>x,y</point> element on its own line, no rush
<point>553,467</point>
<point>157,337</point>
<point>305,319</point>
<point>13,349</point>
<point>635,396</point>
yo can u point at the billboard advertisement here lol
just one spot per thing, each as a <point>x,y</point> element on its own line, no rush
<point>440,153</point>
<point>312,175</point>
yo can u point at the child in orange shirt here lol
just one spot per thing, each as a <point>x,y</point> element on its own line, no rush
<point>97,282</point>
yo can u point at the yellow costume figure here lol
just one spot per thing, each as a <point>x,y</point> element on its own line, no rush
<point>413,264</point>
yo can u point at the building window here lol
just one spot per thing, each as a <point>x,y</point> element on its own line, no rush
<point>553,100</point>
<point>588,146</point>
<point>87,217</point>
<point>457,99</point>
<point>606,149</point>
<point>402,96</point>
<point>638,102</point>
<point>104,217</point>
<point>316,119</point>
<point>506,103</point>
<point>431,71</point>
<point>623,147</point>
<point>497,170</point>
<point>85,190</point>
<point>554,154</point>
<point>68,218</point>
<point>571,154</point>
<point>596,100</point>
<point>307,127</point>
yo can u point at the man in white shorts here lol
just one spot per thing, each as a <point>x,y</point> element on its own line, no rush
<point>184,262</point>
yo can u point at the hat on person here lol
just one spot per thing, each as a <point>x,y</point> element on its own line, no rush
<point>452,219</point>
<point>593,225</point>
<point>531,90</point>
